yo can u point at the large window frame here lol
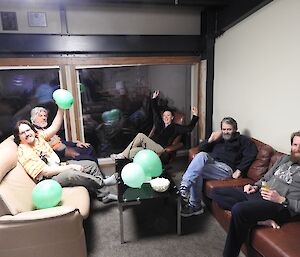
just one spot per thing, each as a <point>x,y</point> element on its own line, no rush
<point>68,77</point>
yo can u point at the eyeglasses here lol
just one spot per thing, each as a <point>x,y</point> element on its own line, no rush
<point>24,132</point>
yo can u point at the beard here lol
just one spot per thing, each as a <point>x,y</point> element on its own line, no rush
<point>227,136</point>
<point>295,157</point>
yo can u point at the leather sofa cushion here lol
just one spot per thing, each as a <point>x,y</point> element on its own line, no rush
<point>274,158</point>
<point>8,151</point>
<point>77,197</point>
<point>277,242</point>
<point>15,190</point>
<point>261,164</point>
<point>211,184</point>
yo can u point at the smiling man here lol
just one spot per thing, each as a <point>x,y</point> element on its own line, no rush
<point>41,162</point>
<point>66,150</point>
<point>165,132</point>
<point>225,154</point>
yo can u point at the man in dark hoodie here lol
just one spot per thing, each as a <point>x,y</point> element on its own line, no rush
<point>225,154</point>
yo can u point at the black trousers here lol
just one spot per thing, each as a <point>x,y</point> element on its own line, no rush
<point>246,211</point>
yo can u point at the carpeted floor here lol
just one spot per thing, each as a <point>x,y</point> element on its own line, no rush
<point>150,230</point>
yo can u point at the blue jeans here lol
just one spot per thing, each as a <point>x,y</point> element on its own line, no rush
<point>203,167</point>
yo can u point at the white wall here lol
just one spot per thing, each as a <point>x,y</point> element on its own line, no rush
<point>128,20</point>
<point>107,19</point>
<point>257,74</point>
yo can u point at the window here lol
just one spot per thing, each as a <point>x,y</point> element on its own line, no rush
<point>116,101</point>
<point>21,90</point>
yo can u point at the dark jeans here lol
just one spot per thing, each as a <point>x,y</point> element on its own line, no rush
<point>246,211</point>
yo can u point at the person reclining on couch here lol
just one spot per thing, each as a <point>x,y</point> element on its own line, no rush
<point>67,150</point>
<point>165,132</point>
<point>225,154</point>
<point>275,202</point>
<point>41,162</point>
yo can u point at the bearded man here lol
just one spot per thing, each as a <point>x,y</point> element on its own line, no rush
<point>225,154</point>
<point>270,204</point>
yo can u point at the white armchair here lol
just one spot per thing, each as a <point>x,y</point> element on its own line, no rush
<point>27,232</point>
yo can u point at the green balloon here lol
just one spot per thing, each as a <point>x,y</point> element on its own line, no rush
<point>111,116</point>
<point>115,114</point>
<point>63,98</point>
<point>46,194</point>
<point>150,162</point>
<point>105,116</point>
<point>133,175</point>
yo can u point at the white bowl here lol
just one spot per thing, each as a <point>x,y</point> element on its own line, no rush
<point>160,184</point>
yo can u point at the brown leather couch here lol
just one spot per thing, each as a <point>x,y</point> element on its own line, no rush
<point>263,241</point>
<point>27,232</point>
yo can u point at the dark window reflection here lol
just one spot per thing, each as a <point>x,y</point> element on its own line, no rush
<point>22,90</point>
<point>116,104</point>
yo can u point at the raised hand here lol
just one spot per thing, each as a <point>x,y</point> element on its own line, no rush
<point>215,135</point>
<point>195,111</point>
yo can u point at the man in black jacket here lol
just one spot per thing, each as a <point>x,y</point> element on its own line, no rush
<point>165,132</point>
<point>225,154</point>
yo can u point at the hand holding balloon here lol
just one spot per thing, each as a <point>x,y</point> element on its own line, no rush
<point>63,98</point>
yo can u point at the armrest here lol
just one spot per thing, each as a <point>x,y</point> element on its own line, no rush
<point>49,232</point>
<point>37,214</point>
<point>192,152</point>
<point>174,147</point>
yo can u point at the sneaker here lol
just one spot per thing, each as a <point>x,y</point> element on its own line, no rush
<point>190,210</point>
<point>184,193</point>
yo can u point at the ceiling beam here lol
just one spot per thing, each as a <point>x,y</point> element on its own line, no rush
<point>34,44</point>
<point>237,11</point>
<point>187,3</point>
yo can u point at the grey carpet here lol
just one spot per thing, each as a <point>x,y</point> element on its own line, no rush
<point>145,235</point>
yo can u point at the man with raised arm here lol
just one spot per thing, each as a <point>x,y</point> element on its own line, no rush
<point>41,162</point>
<point>225,154</point>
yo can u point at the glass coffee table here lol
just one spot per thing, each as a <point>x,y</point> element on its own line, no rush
<point>135,196</point>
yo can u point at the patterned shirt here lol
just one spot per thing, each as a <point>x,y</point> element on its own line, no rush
<point>30,156</point>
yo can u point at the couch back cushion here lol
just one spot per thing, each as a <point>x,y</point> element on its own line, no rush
<point>15,191</point>
<point>274,158</point>
<point>15,185</point>
<point>8,156</point>
<point>261,164</point>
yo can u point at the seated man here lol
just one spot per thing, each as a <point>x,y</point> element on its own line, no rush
<point>165,132</point>
<point>275,203</point>
<point>65,149</point>
<point>225,154</point>
<point>41,162</point>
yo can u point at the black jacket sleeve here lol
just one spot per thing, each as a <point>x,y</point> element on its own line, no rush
<point>249,152</point>
<point>205,146</point>
<point>157,120</point>
<point>183,129</point>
